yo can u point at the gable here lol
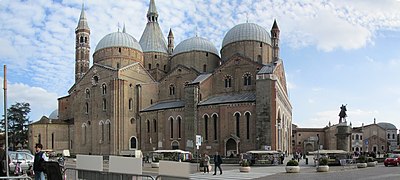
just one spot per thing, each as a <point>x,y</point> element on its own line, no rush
<point>135,72</point>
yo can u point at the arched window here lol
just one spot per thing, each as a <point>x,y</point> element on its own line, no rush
<point>40,139</point>
<point>87,93</point>
<point>357,137</point>
<point>247,79</point>
<point>393,136</point>
<point>86,107</point>
<point>104,89</point>
<point>205,68</point>
<point>171,127</point>
<point>86,39</point>
<point>101,124</point>
<point>215,117</point>
<point>149,66</point>
<point>157,65</point>
<point>259,59</point>
<point>130,104</point>
<point>132,143</point>
<point>165,67</point>
<point>171,89</point>
<point>148,126</point>
<point>388,136</point>
<point>228,81</point>
<point>81,39</point>
<point>179,127</point>
<point>155,125</point>
<point>237,116</point>
<point>52,140</point>
<point>247,125</point>
<point>206,127</point>
<point>84,133</point>
<point>133,120</point>
<point>104,104</point>
<point>109,131</point>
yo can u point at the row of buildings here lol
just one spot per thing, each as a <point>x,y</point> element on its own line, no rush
<point>150,94</point>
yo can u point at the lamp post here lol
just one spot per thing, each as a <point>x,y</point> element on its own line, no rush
<point>318,150</point>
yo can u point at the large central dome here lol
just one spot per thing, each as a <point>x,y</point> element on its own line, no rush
<point>195,44</point>
<point>118,39</point>
<point>246,31</point>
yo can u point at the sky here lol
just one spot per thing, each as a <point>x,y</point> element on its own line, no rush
<point>334,51</point>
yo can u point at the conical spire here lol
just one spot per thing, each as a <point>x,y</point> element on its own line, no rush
<point>275,25</point>
<point>170,34</point>
<point>152,14</point>
<point>123,29</point>
<point>82,24</point>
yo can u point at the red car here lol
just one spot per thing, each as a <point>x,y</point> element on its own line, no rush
<point>393,159</point>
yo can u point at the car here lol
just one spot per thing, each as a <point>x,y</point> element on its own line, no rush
<point>24,158</point>
<point>393,159</point>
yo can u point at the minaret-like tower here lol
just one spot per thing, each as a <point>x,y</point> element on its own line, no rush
<point>82,46</point>
<point>170,42</point>
<point>275,41</point>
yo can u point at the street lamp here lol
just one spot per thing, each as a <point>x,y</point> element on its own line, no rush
<point>317,150</point>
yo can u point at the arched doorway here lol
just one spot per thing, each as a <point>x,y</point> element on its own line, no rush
<point>309,147</point>
<point>175,145</point>
<point>231,147</point>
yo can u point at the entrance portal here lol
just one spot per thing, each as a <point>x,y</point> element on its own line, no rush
<point>231,147</point>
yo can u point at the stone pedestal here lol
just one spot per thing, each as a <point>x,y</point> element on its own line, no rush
<point>343,136</point>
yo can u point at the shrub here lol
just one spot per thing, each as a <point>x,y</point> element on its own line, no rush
<point>323,161</point>
<point>292,163</point>
<point>245,163</point>
<point>370,159</point>
<point>156,159</point>
<point>361,159</point>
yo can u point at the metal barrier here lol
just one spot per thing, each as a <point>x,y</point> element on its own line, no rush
<point>164,177</point>
<point>17,177</point>
<point>73,174</point>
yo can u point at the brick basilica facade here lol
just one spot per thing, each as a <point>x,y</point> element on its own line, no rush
<point>150,94</point>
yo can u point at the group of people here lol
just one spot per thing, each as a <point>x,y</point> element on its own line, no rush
<point>205,160</point>
<point>38,168</point>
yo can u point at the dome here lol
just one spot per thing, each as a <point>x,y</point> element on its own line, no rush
<point>118,39</point>
<point>54,114</point>
<point>387,125</point>
<point>246,31</point>
<point>195,44</point>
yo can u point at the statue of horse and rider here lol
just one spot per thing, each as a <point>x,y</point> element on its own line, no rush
<point>342,114</point>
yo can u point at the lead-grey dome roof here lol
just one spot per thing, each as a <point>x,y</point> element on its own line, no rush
<point>195,44</point>
<point>246,31</point>
<point>385,125</point>
<point>118,39</point>
<point>54,114</point>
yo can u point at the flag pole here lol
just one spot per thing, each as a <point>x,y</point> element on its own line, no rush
<point>5,117</point>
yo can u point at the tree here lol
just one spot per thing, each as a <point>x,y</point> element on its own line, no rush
<point>18,122</point>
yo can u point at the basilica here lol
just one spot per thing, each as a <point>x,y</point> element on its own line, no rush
<point>151,95</point>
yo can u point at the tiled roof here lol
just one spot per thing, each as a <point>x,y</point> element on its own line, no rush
<point>165,105</point>
<point>201,78</point>
<point>267,69</point>
<point>229,98</point>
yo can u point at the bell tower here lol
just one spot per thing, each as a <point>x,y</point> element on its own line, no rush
<point>275,41</point>
<point>82,46</point>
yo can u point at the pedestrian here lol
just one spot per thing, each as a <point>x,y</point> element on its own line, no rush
<point>3,164</point>
<point>40,157</point>
<point>217,163</point>
<point>206,163</point>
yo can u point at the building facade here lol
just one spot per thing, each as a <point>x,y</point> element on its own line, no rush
<point>149,94</point>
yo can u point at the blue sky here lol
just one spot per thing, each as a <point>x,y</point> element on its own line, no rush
<point>335,52</point>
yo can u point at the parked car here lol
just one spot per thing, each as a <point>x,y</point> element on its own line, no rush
<point>393,159</point>
<point>25,159</point>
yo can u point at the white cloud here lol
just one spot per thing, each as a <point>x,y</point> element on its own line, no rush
<point>41,101</point>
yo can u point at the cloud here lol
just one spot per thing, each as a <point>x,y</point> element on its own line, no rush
<point>41,101</point>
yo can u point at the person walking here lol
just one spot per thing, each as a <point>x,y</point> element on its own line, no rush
<point>206,163</point>
<point>40,157</point>
<point>217,163</point>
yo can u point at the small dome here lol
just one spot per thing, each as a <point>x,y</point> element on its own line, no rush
<point>387,125</point>
<point>118,39</point>
<point>246,31</point>
<point>195,44</point>
<point>54,114</point>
